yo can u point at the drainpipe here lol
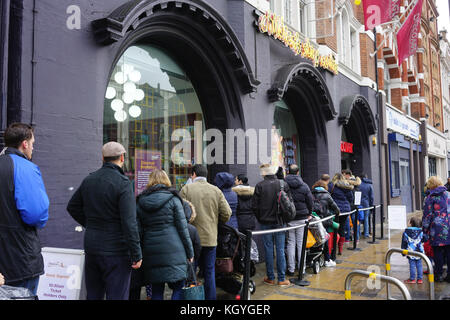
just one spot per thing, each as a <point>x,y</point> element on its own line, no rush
<point>4,40</point>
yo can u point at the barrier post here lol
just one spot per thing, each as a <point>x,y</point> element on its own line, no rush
<point>374,213</point>
<point>382,222</point>
<point>355,230</point>
<point>299,281</point>
<point>246,280</point>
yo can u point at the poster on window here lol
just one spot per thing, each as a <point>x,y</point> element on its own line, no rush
<point>146,161</point>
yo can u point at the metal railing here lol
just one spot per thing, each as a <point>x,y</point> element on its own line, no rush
<point>299,280</point>
<point>410,253</point>
<point>372,275</point>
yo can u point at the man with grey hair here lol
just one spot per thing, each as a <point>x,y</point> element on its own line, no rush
<point>104,204</point>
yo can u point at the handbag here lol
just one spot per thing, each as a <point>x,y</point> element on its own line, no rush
<point>193,290</point>
<point>225,265</point>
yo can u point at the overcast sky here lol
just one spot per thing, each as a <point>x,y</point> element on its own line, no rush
<point>443,19</point>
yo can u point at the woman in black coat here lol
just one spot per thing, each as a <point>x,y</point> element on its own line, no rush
<point>165,242</point>
<point>320,192</point>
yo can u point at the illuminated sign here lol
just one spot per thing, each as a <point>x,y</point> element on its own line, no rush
<point>346,147</point>
<point>274,26</point>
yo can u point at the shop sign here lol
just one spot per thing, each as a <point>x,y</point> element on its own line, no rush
<point>436,144</point>
<point>398,122</point>
<point>274,26</point>
<point>346,147</point>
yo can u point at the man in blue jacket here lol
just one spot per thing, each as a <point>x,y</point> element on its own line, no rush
<point>23,209</point>
<point>367,200</point>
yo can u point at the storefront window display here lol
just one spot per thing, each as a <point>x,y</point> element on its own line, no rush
<point>147,98</point>
<point>285,143</point>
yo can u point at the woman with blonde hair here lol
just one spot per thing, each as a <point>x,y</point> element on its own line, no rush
<point>436,225</point>
<point>166,245</point>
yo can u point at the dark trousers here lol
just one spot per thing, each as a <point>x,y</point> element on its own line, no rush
<point>440,254</point>
<point>107,275</point>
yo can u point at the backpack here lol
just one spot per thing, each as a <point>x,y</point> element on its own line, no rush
<point>286,208</point>
<point>319,208</point>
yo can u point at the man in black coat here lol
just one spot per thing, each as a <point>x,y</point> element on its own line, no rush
<point>303,200</point>
<point>264,206</point>
<point>104,204</point>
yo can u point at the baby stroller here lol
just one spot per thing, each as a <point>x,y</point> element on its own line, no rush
<point>314,255</point>
<point>231,244</point>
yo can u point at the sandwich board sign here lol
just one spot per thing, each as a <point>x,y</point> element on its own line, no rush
<point>396,219</point>
<point>62,279</point>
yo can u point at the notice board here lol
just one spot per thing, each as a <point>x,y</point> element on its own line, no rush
<point>63,275</point>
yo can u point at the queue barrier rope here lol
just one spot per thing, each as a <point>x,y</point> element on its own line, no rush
<point>249,235</point>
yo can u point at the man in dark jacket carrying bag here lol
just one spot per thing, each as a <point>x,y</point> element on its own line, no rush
<point>105,205</point>
<point>303,200</point>
<point>265,207</point>
<point>23,209</point>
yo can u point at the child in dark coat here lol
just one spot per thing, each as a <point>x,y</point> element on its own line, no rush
<point>412,241</point>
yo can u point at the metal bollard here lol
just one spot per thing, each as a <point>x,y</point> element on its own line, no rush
<point>374,213</point>
<point>355,230</point>
<point>387,279</point>
<point>246,280</point>
<point>382,222</point>
<point>411,253</point>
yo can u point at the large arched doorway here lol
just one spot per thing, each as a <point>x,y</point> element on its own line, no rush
<point>358,124</point>
<point>206,68</point>
<point>300,92</point>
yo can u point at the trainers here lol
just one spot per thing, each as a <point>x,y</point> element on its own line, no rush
<point>330,263</point>
<point>285,283</point>
<point>290,274</point>
<point>420,281</point>
<point>410,281</point>
<point>269,282</point>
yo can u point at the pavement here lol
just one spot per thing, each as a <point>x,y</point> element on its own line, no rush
<point>328,284</point>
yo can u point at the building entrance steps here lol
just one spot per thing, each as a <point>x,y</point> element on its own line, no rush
<point>328,284</point>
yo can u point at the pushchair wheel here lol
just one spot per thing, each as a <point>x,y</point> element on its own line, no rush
<point>316,267</point>
<point>322,260</point>
<point>251,287</point>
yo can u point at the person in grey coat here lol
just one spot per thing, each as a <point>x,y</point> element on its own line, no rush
<point>166,244</point>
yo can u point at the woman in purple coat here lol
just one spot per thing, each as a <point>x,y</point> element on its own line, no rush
<point>436,225</point>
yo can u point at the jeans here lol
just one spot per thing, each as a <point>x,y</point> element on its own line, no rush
<point>295,239</point>
<point>158,290</point>
<point>207,263</point>
<point>108,275</point>
<point>269,239</point>
<point>30,283</point>
<point>347,229</point>
<point>354,220</point>
<point>440,253</point>
<point>413,266</point>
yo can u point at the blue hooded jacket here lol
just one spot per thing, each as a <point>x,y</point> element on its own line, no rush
<point>367,197</point>
<point>412,241</point>
<point>225,181</point>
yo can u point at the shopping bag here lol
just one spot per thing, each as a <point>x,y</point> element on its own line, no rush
<point>310,240</point>
<point>318,231</point>
<point>193,290</point>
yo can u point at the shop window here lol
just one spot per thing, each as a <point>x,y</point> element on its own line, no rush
<point>404,173</point>
<point>394,168</point>
<point>147,98</point>
<point>432,170</point>
<point>285,143</point>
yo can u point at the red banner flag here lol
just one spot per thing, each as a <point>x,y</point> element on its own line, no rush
<point>408,35</point>
<point>377,12</point>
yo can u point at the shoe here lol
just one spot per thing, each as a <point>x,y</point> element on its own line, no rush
<point>410,281</point>
<point>419,281</point>
<point>426,272</point>
<point>339,253</point>
<point>447,278</point>
<point>269,282</point>
<point>290,274</point>
<point>285,283</point>
<point>330,263</point>
<point>439,279</point>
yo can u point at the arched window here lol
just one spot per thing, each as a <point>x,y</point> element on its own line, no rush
<point>343,38</point>
<point>148,97</point>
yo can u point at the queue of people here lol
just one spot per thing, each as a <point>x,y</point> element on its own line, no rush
<point>154,239</point>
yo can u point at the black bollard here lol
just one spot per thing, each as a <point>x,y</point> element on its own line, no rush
<point>246,280</point>
<point>373,227</point>
<point>355,230</point>
<point>382,222</point>
<point>299,281</point>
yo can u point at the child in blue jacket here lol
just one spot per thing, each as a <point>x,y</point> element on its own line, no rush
<point>412,241</point>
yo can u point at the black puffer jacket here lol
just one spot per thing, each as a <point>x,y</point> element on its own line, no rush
<point>301,195</point>
<point>245,216</point>
<point>327,202</point>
